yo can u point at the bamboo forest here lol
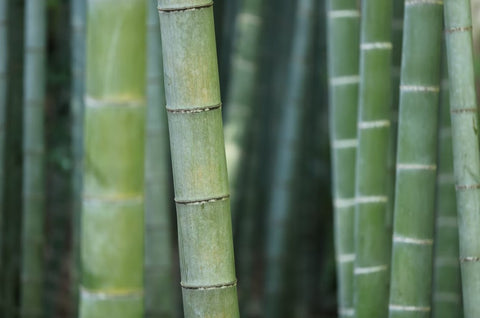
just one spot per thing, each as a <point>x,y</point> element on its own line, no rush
<point>243,158</point>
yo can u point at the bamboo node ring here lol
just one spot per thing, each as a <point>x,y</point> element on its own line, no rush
<point>195,7</point>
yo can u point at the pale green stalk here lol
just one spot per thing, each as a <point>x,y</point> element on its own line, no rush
<point>447,289</point>
<point>412,252</point>
<point>343,57</point>
<point>198,159</point>
<point>159,298</point>
<point>466,154</point>
<point>112,227</point>
<point>372,239</point>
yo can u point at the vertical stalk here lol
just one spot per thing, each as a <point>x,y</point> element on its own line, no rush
<point>286,167</point>
<point>372,243</point>
<point>159,299</point>
<point>343,58</point>
<point>112,228</point>
<point>447,294</point>
<point>466,155</point>
<point>198,158</point>
<point>77,29</point>
<point>3,113</point>
<point>411,279</point>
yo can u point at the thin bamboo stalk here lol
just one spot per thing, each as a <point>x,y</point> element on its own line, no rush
<point>466,154</point>
<point>286,167</point>
<point>372,243</point>
<point>412,254</point>
<point>112,228</point>
<point>343,58</point>
<point>198,158</point>
<point>447,289</point>
<point>159,299</point>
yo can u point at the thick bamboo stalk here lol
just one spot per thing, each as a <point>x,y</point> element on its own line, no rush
<point>372,240</point>
<point>77,73</point>
<point>412,254</point>
<point>198,158</point>
<point>466,155</point>
<point>286,167</point>
<point>159,299</point>
<point>447,289</point>
<point>343,58</point>
<point>112,225</point>
<point>33,235</point>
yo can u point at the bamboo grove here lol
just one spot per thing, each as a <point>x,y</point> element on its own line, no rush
<point>241,158</point>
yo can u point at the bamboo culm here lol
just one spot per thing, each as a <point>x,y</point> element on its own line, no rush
<point>77,73</point>
<point>33,235</point>
<point>286,167</point>
<point>343,58</point>
<point>466,155</point>
<point>412,252</point>
<point>372,239</point>
<point>159,299</point>
<point>447,289</point>
<point>112,224</point>
<point>198,158</point>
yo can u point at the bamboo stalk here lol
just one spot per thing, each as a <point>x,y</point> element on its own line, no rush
<point>372,243</point>
<point>447,294</point>
<point>198,159</point>
<point>343,52</point>
<point>77,46</point>
<point>412,255</point>
<point>286,167</point>
<point>159,299</point>
<point>466,155</point>
<point>112,225</point>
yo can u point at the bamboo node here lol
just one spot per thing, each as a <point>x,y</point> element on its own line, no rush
<point>419,88</point>
<point>371,199</point>
<point>416,2</point>
<point>345,143</point>
<point>411,240</point>
<point>376,46</point>
<point>187,8</point>
<point>344,203</point>
<point>369,270</point>
<point>345,258</point>
<point>249,18</point>
<point>459,29</point>
<point>193,110</point>
<point>336,14</point>
<point>467,187</point>
<point>203,201</point>
<point>446,261</point>
<point>415,166</point>
<point>207,287</point>
<point>110,294</point>
<point>374,124</point>
<point>446,297</point>
<point>409,308</point>
<point>468,259</point>
<point>464,110</point>
<point>350,312</point>
<point>345,80</point>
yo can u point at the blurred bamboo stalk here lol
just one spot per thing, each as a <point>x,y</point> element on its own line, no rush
<point>412,252</point>
<point>447,289</point>
<point>466,155</point>
<point>112,227</point>
<point>198,158</point>
<point>159,299</point>
<point>343,58</point>
<point>372,239</point>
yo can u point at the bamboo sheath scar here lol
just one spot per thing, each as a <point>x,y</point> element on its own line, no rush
<point>466,155</point>
<point>33,161</point>
<point>343,58</point>
<point>112,223</point>
<point>372,243</point>
<point>198,159</point>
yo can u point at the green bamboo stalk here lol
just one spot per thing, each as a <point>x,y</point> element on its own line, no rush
<point>198,158</point>
<point>159,299</point>
<point>77,45</point>
<point>372,243</point>
<point>286,168</point>
<point>447,294</point>
<point>343,52</point>
<point>466,155</point>
<point>412,254</point>
<point>242,96</point>
<point>112,232</point>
